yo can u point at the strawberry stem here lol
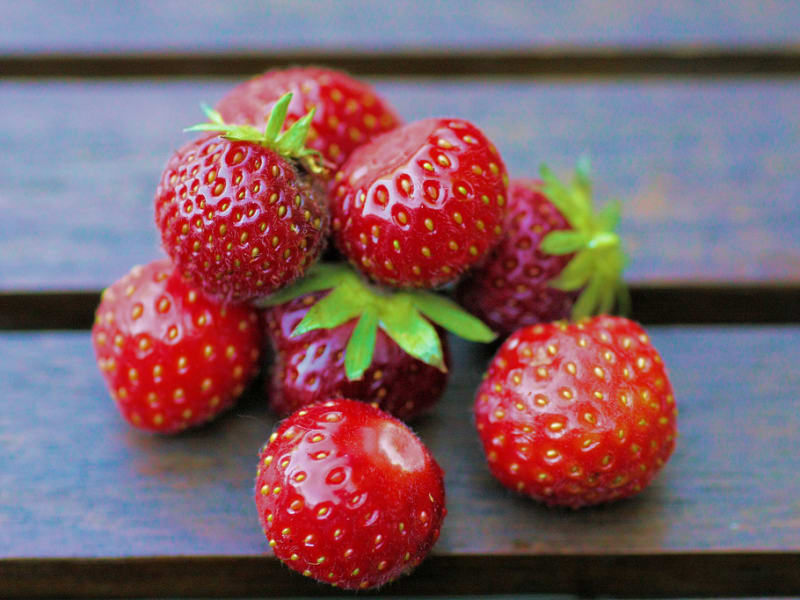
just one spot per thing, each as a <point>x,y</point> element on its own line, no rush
<point>599,259</point>
<point>290,143</point>
<point>405,316</point>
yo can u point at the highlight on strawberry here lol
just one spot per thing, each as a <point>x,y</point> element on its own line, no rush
<point>172,358</point>
<point>348,495</point>
<point>558,257</point>
<point>243,211</point>
<point>334,333</point>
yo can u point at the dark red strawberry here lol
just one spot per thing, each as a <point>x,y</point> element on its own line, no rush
<point>311,366</point>
<point>172,358</point>
<point>348,112</point>
<point>554,247</point>
<point>361,341</point>
<point>239,212</point>
<point>577,414</point>
<point>348,495</point>
<point>417,206</point>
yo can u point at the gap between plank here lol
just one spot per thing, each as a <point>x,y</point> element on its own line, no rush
<point>655,304</point>
<point>675,62</point>
<point>669,574</point>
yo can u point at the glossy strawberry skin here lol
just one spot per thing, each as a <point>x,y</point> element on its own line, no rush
<point>348,495</point>
<point>578,414</point>
<point>510,289</point>
<point>348,112</point>
<point>238,218</point>
<point>417,206</point>
<point>310,367</point>
<point>171,357</point>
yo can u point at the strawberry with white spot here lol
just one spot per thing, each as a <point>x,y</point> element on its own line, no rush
<point>348,495</point>
<point>172,357</point>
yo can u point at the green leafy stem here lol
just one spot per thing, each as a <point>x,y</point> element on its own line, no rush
<point>599,259</point>
<point>290,143</point>
<point>405,316</point>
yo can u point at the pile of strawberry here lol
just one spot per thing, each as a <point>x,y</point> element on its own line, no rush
<point>570,413</point>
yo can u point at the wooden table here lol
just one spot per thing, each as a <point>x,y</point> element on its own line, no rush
<point>691,113</point>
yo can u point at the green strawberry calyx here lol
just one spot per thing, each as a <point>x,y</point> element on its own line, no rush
<point>599,259</point>
<point>290,143</point>
<point>405,316</point>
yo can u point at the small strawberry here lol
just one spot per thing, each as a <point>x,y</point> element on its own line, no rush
<point>361,342</point>
<point>348,112</point>
<point>172,358</point>
<point>348,495</point>
<point>417,206</point>
<point>554,247</point>
<point>239,211</point>
<point>577,414</point>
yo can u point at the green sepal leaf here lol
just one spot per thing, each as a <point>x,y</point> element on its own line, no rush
<point>589,299</point>
<point>413,333</point>
<point>446,313</point>
<point>322,276</point>
<point>564,241</point>
<point>609,216</point>
<point>290,144</point>
<point>361,346</point>
<point>277,118</point>
<point>331,311</point>
<point>576,273</point>
<point>599,260</point>
<point>292,141</point>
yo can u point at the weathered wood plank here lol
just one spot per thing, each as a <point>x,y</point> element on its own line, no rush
<point>709,170</point>
<point>37,27</point>
<point>76,483</point>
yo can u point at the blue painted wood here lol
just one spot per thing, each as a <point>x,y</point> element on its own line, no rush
<point>362,25</point>
<point>75,481</point>
<point>709,170</point>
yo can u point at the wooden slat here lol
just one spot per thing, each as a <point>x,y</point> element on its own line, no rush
<point>695,304</point>
<point>710,171</point>
<point>37,27</point>
<point>84,499</point>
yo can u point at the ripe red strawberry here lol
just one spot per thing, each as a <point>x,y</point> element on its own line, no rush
<point>554,246</point>
<point>361,342</point>
<point>348,495</point>
<point>417,206</point>
<point>311,366</point>
<point>348,112</point>
<point>172,358</point>
<point>238,211</point>
<point>577,414</point>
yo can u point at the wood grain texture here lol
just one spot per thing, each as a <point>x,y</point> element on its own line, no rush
<point>189,26</point>
<point>94,498</point>
<point>709,170</point>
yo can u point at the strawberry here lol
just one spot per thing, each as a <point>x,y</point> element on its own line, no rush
<point>172,357</point>
<point>348,495</point>
<point>348,112</point>
<point>361,342</point>
<point>554,247</point>
<point>577,414</point>
<point>417,206</point>
<point>239,211</point>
